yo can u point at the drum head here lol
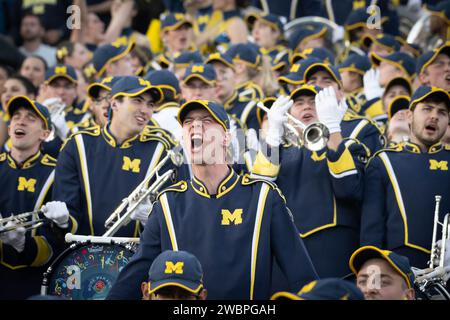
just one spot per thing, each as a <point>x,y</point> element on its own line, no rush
<point>86,272</point>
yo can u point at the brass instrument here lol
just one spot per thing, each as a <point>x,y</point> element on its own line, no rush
<point>22,221</point>
<point>431,281</point>
<point>116,220</point>
<point>314,136</point>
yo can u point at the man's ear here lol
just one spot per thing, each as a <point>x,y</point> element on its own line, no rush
<point>44,135</point>
<point>410,294</point>
<point>424,78</point>
<point>144,289</point>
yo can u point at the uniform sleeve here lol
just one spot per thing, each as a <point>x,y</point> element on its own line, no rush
<point>288,248</point>
<point>373,220</point>
<point>264,165</point>
<point>346,167</point>
<point>67,185</point>
<point>128,284</point>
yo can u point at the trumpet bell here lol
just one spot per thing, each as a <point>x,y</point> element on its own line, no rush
<point>316,136</point>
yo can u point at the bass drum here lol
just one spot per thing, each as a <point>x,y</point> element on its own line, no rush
<point>86,271</point>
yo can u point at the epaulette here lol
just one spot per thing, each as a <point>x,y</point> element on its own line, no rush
<point>92,131</point>
<point>157,134</point>
<point>180,186</point>
<point>48,160</point>
<point>2,156</point>
<point>247,180</point>
<point>392,148</point>
<point>352,116</point>
<point>447,146</point>
<point>247,95</point>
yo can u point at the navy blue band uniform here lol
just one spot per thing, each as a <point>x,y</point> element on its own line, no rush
<point>323,189</point>
<point>94,173</point>
<point>243,227</point>
<point>28,187</point>
<point>400,186</point>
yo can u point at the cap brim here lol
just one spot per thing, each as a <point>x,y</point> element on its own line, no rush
<point>223,61</point>
<point>291,79</point>
<point>56,76</point>
<point>294,94</point>
<point>445,47</point>
<point>94,89</point>
<point>363,254</point>
<point>377,59</point>
<point>399,81</point>
<point>197,76</point>
<point>154,91</point>
<point>443,93</point>
<point>190,286</point>
<point>118,56</point>
<point>22,101</point>
<point>318,65</point>
<point>178,25</point>
<point>397,104</point>
<point>188,106</point>
<point>284,295</point>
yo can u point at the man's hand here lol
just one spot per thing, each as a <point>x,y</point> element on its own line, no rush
<point>142,211</point>
<point>277,117</point>
<point>16,238</point>
<point>57,212</point>
<point>372,88</point>
<point>329,111</point>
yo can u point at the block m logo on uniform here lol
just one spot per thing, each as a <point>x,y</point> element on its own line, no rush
<point>26,184</point>
<point>228,217</point>
<point>131,165</point>
<point>174,267</point>
<point>438,165</point>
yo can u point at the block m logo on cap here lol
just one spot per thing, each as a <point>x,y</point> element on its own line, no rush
<point>61,70</point>
<point>199,69</point>
<point>174,267</point>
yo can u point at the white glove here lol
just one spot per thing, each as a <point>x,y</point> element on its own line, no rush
<point>372,88</point>
<point>234,138</point>
<point>16,238</point>
<point>142,211</point>
<point>58,116</point>
<point>251,139</point>
<point>329,111</point>
<point>277,117</point>
<point>57,212</point>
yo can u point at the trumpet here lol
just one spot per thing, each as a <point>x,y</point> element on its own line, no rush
<point>431,280</point>
<point>22,221</point>
<point>116,220</point>
<point>314,136</point>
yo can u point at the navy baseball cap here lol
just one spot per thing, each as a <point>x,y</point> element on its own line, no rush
<point>280,61</point>
<point>400,60</point>
<point>224,58</point>
<point>305,89</point>
<point>324,289</point>
<point>271,20</point>
<point>424,92</point>
<point>441,10</point>
<point>23,101</point>
<point>399,81</point>
<point>176,269</point>
<point>428,58</point>
<point>303,34</point>
<point>355,63</point>
<point>297,71</point>
<point>314,67</point>
<point>358,19</point>
<point>132,86</point>
<point>165,80</point>
<point>106,83</point>
<point>323,54</point>
<point>173,21</point>
<point>216,110</point>
<point>61,71</point>
<point>399,263</point>
<point>247,53</point>
<point>185,58</point>
<point>397,104</point>
<point>204,72</point>
<point>109,53</point>
<point>384,40</point>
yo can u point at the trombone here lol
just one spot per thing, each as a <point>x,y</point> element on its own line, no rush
<point>116,220</point>
<point>314,136</point>
<point>21,221</point>
<point>432,278</point>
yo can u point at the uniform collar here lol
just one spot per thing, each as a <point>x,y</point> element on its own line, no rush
<point>414,148</point>
<point>28,163</point>
<point>171,104</point>
<point>230,102</point>
<point>243,86</point>
<point>108,136</point>
<point>224,187</point>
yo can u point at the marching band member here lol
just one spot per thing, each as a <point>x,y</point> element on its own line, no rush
<point>323,188</point>
<point>99,166</point>
<point>382,274</point>
<point>433,67</point>
<point>397,129</point>
<point>401,182</point>
<point>26,175</point>
<point>245,221</point>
